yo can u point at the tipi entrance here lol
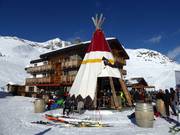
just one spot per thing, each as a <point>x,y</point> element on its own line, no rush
<point>104,93</point>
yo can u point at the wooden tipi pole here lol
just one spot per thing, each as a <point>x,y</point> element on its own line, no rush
<point>115,100</point>
<point>126,92</point>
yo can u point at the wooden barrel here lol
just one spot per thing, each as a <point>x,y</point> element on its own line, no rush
<point>39,106</point>
<point>161,107</point>
<point>144,115</point>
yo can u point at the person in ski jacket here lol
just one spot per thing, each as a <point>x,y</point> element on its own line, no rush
<point>67,106</point>
<point>173,100</point>
<point>160,95</point>
<point>136,96</point>
<point>167,101</point>
<point>123,100</point>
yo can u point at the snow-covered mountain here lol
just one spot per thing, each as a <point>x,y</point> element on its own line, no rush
<point>157,69</point>
<point>16,53</point>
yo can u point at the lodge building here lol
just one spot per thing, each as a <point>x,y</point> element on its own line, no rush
<point>54,72</point>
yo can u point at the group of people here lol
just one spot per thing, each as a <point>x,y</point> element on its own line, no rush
<point>170,99</point>
<point>70,106</point>
<point>140,95</point>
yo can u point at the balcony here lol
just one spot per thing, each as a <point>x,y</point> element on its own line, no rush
<point>67,79</point>
<point>38,80</point>
<point>71,64</point>
<point>37,69</point>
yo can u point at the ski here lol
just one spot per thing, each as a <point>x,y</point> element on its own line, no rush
<point>76,122</point>
<point>174,129</point>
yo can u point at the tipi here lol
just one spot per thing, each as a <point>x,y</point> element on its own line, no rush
<point>92,67</point>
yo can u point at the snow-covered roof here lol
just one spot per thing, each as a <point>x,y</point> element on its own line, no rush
<point>137,80</point>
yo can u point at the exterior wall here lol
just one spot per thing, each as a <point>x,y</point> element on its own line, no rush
<point>31,89</point>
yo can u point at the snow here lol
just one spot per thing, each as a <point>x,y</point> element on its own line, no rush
<point>17,113</point>
<point>16,54</point>
<point>157,69</point>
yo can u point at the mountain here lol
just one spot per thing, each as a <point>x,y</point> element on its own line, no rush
<point>16,53</point>
<point>157,69</point>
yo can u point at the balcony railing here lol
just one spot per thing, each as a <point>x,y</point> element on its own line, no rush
<point>38,80</point>
<point>39,69</point>
<point>71,64</point>
<point>67,79</point>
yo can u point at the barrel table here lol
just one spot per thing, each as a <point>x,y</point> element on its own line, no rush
<point>39,106</point>
<point>144,115</point>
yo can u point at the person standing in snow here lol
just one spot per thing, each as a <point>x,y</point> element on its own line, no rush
<point>177,97</point>
<point>67,106</point>
<point>167,102</point>
<point>173,101</point>
<point>136,96</point>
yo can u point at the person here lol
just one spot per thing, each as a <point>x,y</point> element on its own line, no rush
<point>178,99</point>
<point>173,100</point>
<point>67,106</point>
<point>136,96</point>
<point>80,107</point>
<point>66,94</point>
<point>123,100</point>
<point>167,102</point>
<point>49,103</point>
<point>160,95</point>
<point>160,104</point>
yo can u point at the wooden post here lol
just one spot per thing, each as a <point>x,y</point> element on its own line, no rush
<point>126,92</point>
<point>115,100</point>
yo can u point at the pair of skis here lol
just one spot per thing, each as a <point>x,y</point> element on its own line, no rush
<point>76,122</point>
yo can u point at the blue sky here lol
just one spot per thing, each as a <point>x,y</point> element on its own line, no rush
<point>153,24</point>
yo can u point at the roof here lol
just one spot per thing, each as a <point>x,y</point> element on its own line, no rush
<point>37,60</point>
<point>113,43</point>
<point>137,80</point>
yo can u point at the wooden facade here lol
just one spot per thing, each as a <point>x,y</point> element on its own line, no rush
<point>16,89</point>
<point>55,71</point>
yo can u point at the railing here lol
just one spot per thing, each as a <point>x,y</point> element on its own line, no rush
<point>67,79</point>
<point>71,64</point>
<point>39,68</point>
<point>38,80</point>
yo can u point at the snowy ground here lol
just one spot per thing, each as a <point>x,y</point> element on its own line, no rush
<point>17,115</point>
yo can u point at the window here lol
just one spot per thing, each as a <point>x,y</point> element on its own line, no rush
<point>31,89</point>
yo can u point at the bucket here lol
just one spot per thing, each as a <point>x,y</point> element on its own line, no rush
<point>39,106</point>
<point>161,107</point>
<point>144,115</point>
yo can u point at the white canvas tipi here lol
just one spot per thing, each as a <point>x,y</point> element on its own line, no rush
<point>93,66</point>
